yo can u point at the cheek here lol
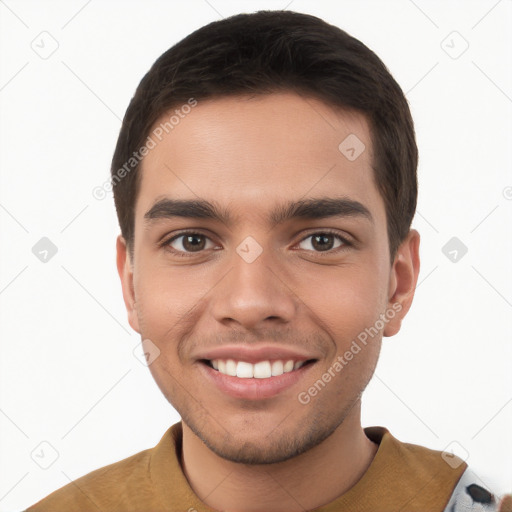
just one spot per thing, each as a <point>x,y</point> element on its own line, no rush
<point>347,301</point>
<point>165,298</point>
<point>164,307</point>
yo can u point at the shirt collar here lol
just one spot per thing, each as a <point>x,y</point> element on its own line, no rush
<point>400,475</point>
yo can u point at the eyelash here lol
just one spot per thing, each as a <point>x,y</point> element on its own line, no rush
<point>166,243</point>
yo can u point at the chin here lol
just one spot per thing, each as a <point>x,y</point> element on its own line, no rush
<point>258,447</point>
<point>252,453</point>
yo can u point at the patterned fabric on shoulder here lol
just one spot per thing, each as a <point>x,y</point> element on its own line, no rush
<point>470,496</point>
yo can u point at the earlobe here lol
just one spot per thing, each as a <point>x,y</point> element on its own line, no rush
<point>125,271</point>
<point>402,281</point>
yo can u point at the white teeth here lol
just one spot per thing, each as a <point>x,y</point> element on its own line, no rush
<point>262,370</point>
<point>288,366</point>
<point>244,370</point>
<point>259,370</point>
<point>277,368</point>
<point>231,367</point>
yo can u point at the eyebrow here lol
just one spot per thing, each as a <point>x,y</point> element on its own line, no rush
<point>312,208</point>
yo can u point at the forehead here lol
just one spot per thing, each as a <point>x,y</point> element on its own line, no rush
<point>251,151</point>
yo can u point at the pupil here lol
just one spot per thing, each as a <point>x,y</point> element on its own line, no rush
<point>324,238</point>
<point>188,240</point>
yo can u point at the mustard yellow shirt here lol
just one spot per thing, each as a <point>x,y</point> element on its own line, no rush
<point>402,477</point>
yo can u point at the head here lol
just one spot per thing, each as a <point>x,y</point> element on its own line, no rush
<point>265,182</point>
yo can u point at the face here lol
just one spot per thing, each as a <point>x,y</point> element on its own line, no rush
<point>287,260</point>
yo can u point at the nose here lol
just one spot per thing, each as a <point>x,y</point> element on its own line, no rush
<point>254,293</point>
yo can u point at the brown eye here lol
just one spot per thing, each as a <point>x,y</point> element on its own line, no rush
<point>323,241</point>
<point>188,242</point>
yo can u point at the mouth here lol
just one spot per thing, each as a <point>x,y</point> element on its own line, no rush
<point>265,369</point>
<point>258,380</point>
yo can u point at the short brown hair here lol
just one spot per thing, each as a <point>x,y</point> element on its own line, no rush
<point>271,51</point>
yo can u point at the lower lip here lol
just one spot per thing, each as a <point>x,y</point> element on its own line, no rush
<point>254,389</point>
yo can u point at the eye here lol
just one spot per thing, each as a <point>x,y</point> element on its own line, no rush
<point>323,241</point>
<point>188,242</point>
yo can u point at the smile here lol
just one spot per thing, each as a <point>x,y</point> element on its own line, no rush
<point>259,370</point>
<point>255,381</point>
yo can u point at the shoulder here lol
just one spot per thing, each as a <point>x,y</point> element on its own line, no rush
<point>100,488</point>
<point>415,461</point>
<point>472,495</point>
<point>447,475</point>
<point>145,479</point>
<point>417,478</point>
<point>434,479</point>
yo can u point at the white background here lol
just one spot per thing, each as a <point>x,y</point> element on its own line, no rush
<point>68,373</point>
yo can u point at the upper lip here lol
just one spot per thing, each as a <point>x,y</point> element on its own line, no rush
<point>254,354</point>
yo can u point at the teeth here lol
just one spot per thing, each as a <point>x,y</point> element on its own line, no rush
<point>244,370</point>
<point>262,370</point>
<point>231,367</point>
<point>288,366</point>
<point>277,368</point>
<point>259,370</point>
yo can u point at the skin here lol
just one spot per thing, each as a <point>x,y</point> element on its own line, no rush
<point>249,154</point>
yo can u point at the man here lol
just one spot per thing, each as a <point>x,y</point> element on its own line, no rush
<point>265,183</point>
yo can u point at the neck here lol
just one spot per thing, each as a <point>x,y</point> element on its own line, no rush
<point>305,482</point>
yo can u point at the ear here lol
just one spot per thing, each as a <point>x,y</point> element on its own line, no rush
<point>125,271</point>
<point>402,281</point>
